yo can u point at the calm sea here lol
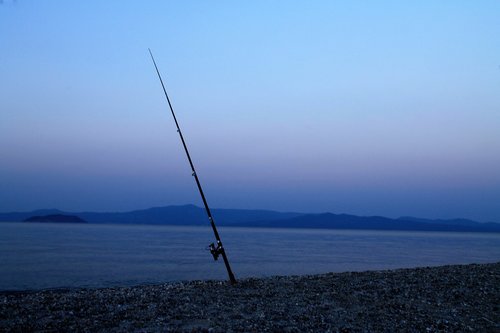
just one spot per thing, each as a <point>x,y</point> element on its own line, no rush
<point>36,256</point>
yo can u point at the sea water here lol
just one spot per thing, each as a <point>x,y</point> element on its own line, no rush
<point>37,256</point>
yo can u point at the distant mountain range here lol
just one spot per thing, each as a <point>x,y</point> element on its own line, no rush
<point>194,215</point>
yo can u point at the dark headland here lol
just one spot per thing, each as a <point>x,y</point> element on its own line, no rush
<point>57,218</point>
<point>438,299</point>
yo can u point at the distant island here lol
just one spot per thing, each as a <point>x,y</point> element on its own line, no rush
<point>58,218</point>
<point>191,215</point>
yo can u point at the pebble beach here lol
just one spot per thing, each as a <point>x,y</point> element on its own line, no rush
<point>459,298</point>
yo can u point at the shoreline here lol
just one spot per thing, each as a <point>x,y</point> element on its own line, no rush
<point>89,288</point>
<point>440,298</point>
<point>271,227</point>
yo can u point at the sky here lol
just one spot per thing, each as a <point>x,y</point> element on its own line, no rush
<point>385,108</point>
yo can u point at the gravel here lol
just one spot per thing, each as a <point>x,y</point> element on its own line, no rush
<point>433,299</point>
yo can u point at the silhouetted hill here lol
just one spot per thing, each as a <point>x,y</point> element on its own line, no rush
<point>193,215</point>
<point>185,215</point>
<point>58,218</point>
<point>344,221</point>
<point>169,215</point>
<point>464,222</point>
<point>21,216</point>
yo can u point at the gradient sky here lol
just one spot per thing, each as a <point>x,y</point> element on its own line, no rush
<point>365,107</point>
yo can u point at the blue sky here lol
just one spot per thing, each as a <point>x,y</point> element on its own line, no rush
<point>374,108</point>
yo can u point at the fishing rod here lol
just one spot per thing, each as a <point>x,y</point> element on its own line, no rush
<point>216,250</point>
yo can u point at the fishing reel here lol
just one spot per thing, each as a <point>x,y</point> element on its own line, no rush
<point>216,251</point>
